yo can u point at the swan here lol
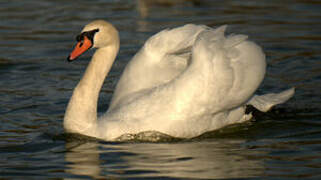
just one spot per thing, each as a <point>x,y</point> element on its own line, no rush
<point>183,82</point>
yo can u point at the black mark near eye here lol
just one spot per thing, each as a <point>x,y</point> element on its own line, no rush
<point>89,34</point>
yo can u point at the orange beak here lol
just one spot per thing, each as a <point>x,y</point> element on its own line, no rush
<point>80,48</point>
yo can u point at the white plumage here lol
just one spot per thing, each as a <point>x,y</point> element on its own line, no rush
<point>183,82</point>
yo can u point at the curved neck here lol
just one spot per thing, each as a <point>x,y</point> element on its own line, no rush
<point>81,113</point>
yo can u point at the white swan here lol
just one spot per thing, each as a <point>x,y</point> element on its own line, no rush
<point>182,82</point>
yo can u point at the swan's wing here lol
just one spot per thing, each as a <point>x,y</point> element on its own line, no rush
<point>235,67</point>
<point>248,63</point>
<point>171,41</point>
<point>222,75</point>
<point>162,58</point>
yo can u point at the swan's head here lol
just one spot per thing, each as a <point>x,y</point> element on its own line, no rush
<point>97,34</point>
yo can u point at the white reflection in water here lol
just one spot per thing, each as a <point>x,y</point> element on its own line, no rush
<point>83,159</point>
<point>220,159</point>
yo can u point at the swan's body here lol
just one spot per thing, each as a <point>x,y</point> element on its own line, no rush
<point>183,82</point>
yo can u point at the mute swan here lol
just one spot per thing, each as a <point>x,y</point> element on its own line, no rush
<point>183,82</point>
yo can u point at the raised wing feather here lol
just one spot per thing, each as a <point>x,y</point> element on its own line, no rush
<point>236,67</point>
<point>163,57</point>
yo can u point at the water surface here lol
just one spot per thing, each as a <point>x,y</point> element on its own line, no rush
<point>36,83</point>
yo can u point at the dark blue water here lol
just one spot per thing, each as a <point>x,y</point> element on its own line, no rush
<point>36,83</point>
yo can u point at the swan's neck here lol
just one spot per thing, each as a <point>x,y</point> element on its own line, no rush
<point>81,113</point>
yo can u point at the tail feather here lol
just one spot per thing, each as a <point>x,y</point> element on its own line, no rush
<point>267,101</point>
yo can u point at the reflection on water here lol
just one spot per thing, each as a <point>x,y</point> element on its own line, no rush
<point>238,151</point>
<point>36,83</point>
<point>83,159</point>
<point>221,159</point>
